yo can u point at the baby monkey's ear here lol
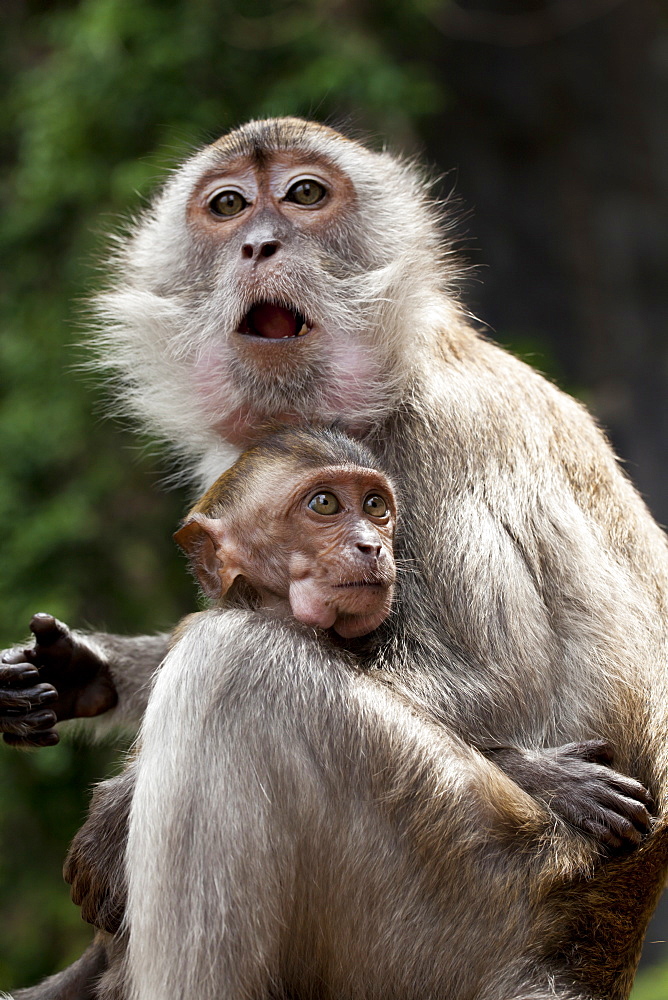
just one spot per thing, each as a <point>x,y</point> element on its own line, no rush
<point>212,552</point>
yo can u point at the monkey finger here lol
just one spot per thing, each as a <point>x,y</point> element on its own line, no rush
<point>41,738</point>
<point>629,810</point>
<point>622,828</point>
<point>602,833</point>
<point>47,629</point>
<point>621,784</point>
<point>608,786</point>
<point>16,675</point>
<point>591,751</point>
<point>19,656</point>
<point>22,722</point>
<point>20,701</point>
<point>28,724</point>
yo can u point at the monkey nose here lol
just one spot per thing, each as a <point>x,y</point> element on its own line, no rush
<point>259,249</point>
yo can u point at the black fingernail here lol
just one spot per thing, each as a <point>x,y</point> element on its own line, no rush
<point>47,696</point>
<point>29,676</point>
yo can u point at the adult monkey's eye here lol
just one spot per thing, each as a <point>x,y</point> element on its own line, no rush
<point>306,192</point>
<point>324,503</point>
<point>374,505</point>
<point>227,203</point>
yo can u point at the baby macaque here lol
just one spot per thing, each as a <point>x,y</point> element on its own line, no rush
<point>307,522</point>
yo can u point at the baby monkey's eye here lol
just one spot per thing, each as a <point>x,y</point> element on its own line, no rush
<point>227,203</point>
<point>306,192</point>
<point>324,503</point>
<point>374,505</point>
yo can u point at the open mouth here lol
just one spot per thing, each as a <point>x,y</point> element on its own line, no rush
<point>274,322</point>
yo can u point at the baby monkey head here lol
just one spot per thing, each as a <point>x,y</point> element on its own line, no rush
<point>307,520</point>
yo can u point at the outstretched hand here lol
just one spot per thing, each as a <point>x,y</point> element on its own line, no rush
<point>58,677</point>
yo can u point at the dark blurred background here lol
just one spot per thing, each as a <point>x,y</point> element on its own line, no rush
<point>549,118</point>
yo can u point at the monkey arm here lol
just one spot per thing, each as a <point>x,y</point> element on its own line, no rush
<point>77,982</point>
<point>578,784</point>
<point>80,676</point>
<point>94,866</point>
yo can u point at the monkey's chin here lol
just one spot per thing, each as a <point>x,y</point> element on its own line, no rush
<point>356,612</point>
<point>353,626</point>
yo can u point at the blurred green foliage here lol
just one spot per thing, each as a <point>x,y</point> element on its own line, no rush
<point>652,984</point>
<point>97,99</point>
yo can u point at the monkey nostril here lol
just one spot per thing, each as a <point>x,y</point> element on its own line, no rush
<point>268,249</point>
<point>369,550</point>
<point>257,250</point>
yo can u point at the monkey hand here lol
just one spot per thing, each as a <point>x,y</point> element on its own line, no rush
<point>578,784</point>
<point>59,677</point>
<point>94,866</point>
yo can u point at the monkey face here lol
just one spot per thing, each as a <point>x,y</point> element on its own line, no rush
<point>342,569</point>
<point>281,274</point>
<point>316,543</point>
<point>279,235</point>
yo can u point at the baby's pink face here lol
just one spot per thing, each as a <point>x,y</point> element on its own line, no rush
<point>342,569</point>
<point>319,540</point>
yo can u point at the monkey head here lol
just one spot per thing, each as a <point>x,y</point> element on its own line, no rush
<point>309,529</point>
<point>284,273</point>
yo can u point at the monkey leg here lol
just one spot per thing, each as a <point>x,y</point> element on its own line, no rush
<point>298,829</point>
<point>95,863</point>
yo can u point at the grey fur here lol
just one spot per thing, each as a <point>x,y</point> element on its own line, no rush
<point>350,834</point>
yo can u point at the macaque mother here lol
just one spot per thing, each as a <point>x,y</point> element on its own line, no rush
<point>288,274</point>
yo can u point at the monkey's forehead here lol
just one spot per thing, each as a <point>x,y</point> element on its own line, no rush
<point>259,142</point>
<point>259,139</point>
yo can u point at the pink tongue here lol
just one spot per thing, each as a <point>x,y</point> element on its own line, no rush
<point>272,321</point>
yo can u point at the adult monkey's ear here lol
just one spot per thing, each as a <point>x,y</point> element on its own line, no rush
<point>212,553</point>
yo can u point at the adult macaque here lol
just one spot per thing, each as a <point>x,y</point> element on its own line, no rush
<point>286,273</point>
<point>301,526</point>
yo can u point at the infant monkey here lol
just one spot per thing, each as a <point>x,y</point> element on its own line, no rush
<point>306,522</point>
